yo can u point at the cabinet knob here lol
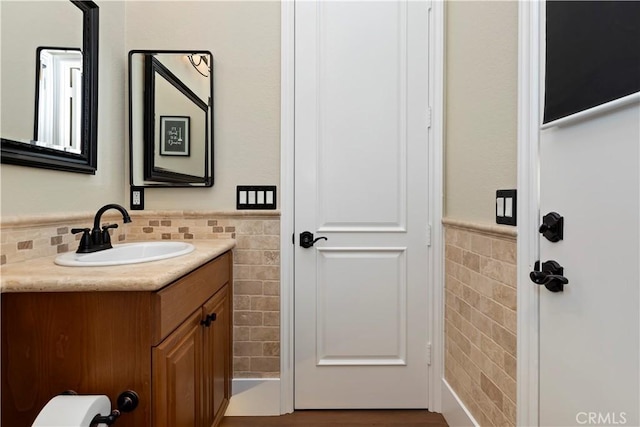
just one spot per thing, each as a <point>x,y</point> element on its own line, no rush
<point>208,320</point>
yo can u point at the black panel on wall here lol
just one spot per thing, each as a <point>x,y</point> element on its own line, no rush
<point>592,54</point>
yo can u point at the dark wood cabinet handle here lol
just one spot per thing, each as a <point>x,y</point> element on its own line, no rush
<point>208,320</point>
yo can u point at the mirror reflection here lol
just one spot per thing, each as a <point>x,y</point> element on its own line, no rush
<point>171,115</point>
<point>21,58</point>
<point>59,98</point>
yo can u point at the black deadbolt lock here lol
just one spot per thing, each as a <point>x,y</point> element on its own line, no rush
<point>306,239</point>
<point>552,227</point>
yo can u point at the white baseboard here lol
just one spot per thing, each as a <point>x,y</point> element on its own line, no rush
<point>453,410</point>
<point>254,397</point>
<point>261,397</point>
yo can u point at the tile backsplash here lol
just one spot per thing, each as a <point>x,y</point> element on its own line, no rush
<point>480,319</point>
<point>256,264</point>
<point>26,238</point>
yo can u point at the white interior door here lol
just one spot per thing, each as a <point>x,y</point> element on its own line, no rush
<point>361,137</point>
<point>589,333</point>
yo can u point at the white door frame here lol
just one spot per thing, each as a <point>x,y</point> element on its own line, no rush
<point>528,210</point>
<point>436,261</point>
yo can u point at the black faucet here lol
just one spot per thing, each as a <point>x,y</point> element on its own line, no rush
<point>98,240</point>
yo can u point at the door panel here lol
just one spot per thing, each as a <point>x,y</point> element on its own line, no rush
<point>361,107</point>
<point>361,138</point>
<point>348,331</point>
<point>177,374</point>
<point>589,356</point>
<point>589,349</point>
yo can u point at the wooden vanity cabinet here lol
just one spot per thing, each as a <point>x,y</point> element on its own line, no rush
<point>163,344</point>
<point>191,368</point>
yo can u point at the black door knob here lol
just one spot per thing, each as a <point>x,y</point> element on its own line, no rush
<point>306,239</point>
<point>550,276</point>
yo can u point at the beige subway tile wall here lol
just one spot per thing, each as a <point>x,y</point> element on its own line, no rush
<point>480,319</point>
<point>256,265</point>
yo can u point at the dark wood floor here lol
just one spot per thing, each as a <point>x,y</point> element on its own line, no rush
<point>352,418</point>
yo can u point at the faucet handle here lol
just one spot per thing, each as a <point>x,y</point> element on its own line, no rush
<point>85,240</point>
<point>106,237</point>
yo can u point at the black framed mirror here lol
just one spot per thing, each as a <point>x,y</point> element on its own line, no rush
<point>171,118</point>
<point>76,150</point>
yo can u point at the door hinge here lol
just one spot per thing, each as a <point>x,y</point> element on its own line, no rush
<point>429,117</point>
<point>429,354</point>
<point>429,235</point>
<point>293,238</point>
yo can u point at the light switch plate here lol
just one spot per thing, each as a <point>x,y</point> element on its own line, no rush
<point>506,207</point>
<point>256,197</point>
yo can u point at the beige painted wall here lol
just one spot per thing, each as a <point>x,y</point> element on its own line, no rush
<point>481,84</point>
<point>481,106</point>
<point>26,190</point>
<point>244,38</point>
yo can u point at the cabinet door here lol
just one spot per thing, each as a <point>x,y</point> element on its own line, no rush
<point>216,358</point>
<point>177,376</point>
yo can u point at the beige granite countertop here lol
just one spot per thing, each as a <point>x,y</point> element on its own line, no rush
<point>42,275</point>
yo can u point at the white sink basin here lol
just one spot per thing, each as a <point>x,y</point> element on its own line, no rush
<point>126,253</point>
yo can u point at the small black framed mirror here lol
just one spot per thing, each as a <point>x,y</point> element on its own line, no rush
<point>171,118</point>
<point>65,134</point>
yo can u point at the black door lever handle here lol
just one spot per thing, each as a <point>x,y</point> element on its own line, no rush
<point>550,276</point>
<point>306,239</point>
<point>543,277</point>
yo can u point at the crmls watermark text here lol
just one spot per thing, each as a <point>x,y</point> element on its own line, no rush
<point>602,418</point>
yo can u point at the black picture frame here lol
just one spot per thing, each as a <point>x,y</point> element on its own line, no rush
<point>175,134</point>
<point>23,154</point>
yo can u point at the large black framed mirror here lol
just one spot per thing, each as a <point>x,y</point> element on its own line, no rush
<point>75,120</point>
<point>171,118</point>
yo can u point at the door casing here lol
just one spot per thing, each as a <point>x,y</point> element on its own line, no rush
<point>528,211</point>
<point>436,258</point>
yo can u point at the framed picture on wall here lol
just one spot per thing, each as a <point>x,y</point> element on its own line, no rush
<point>174,135</point>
